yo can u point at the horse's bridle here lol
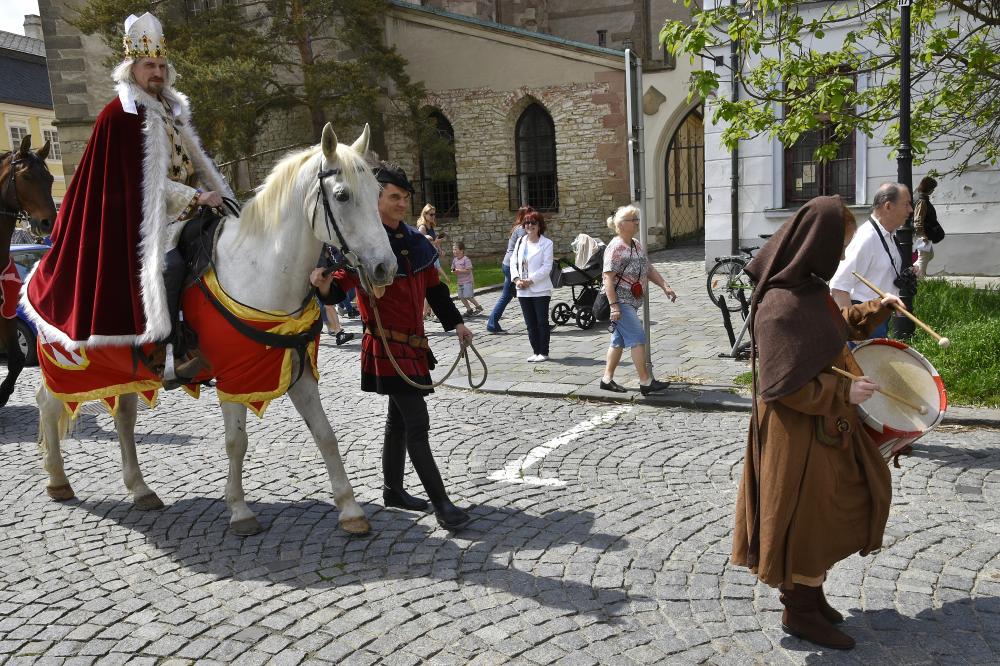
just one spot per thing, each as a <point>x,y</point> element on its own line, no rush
<point>10,184</point>
<point>331,222</point>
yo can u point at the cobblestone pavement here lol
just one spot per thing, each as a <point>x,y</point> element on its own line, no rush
<point>611,548</point>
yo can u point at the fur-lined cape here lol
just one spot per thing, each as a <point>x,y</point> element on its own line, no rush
<point>102,282</point>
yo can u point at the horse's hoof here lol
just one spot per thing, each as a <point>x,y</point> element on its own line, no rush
<point>356,525</point>
<point>61,493</point>
<point>150,502</point>
<point>246,527</point>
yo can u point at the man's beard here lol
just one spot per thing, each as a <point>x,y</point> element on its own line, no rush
<point>155,87</point>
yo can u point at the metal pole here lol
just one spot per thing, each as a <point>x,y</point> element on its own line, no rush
<point>734,158</point>
<point>637,169</point>
<point>902,326</point>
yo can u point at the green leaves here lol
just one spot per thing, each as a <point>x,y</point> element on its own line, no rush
<point>807,59</point>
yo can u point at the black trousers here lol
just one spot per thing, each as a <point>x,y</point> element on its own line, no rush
<point>406,431</point>
<point>173,280</point>
<point>536,315</point>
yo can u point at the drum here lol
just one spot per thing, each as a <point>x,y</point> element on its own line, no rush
<point>904,371</point>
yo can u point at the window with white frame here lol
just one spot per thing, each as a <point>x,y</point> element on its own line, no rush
<point>52,136</point>
<point>17,134</point>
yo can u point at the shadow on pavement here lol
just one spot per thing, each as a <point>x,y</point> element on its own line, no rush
<point>978,458</point>
<point>303,546</point>
<point>965,631</point>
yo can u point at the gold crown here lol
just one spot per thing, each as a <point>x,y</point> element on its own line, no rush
<point>144,37</point>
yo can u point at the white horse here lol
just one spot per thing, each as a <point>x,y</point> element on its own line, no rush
<point>263,260</point>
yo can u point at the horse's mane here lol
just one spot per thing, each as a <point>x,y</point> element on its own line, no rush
<point>265,211</point>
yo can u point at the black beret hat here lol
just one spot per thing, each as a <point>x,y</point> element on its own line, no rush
<point>392,174</point>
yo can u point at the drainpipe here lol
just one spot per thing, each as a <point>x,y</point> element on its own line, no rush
<point>734,187</point>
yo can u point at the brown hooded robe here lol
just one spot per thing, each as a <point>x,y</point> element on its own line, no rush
<point>816,489</point>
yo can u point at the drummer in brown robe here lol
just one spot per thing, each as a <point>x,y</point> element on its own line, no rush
<point>815,488</point>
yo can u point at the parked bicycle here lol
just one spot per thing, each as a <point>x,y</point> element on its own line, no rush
<point>727,279</point>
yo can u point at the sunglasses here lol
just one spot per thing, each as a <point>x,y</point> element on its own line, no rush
<point>528,224</point>
<point>431,214</point>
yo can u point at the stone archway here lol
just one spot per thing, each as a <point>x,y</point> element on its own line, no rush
<point>684,172</point>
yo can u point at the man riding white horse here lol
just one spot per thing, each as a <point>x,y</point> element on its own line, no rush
<point>142,174</point>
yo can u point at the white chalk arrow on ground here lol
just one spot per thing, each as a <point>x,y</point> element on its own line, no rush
<point>514,471</point>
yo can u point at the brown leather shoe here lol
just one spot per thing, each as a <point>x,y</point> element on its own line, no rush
<point>802,618</point>
<point>186,368</point>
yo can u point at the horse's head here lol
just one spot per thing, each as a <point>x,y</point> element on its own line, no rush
<point>344,208</point>
<point>26,186</point>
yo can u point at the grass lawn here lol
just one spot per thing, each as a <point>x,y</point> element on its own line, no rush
<point>485,272</point>
<point>970,318</point>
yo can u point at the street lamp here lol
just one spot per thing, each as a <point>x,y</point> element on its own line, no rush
<point>902,326</point>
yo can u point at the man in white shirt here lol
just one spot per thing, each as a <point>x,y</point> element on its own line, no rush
<point>872,252</point>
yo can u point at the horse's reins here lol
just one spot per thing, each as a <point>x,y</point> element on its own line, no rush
<point>333,228</point>
<point>463,351</point>
<point>10,184</point>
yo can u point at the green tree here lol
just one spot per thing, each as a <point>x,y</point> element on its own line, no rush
<point>246,59</point>
<point>794,80</point>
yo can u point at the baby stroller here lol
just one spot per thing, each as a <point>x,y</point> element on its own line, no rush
<point>584,278</point>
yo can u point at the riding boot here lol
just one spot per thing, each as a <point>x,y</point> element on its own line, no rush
<point>187,360</point>
<point>393,463</point>
<point>802,618</point>
<point>448,515</point>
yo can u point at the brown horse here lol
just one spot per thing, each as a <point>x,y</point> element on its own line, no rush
<point>25,191</point>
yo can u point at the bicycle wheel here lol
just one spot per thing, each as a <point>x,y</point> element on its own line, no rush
<point>728,279</point>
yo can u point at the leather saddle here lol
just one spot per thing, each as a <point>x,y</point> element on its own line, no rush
<point>198,238</point>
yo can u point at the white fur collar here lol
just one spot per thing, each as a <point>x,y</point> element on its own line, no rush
<point>131,94</point>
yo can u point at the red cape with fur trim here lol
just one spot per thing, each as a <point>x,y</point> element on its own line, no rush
<point>89,282</point>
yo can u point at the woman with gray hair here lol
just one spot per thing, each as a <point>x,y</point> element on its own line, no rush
<point>625,267</point>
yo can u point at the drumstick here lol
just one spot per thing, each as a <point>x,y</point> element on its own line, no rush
<point>920,408</point>
<point>942,341</point>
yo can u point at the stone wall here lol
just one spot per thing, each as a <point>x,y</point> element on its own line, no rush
<point>81,81</point>
<point>527,14</point>
<point>591,159</point>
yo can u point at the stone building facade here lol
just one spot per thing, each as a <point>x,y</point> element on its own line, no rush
<point>580,87</point>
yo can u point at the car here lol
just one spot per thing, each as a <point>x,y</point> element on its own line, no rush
<point>25,257</point>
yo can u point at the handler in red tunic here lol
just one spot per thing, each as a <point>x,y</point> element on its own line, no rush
<point>401,311</point>
<point>142,171</point>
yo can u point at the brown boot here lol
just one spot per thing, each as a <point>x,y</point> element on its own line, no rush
<point>186,368</point>
<point>802,618</point>
<point>831,614</point>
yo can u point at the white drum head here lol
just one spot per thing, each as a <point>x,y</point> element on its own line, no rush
<point>905,372</point>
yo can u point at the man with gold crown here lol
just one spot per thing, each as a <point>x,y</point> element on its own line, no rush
<point>142,174</point>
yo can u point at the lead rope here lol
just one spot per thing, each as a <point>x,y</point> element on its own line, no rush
<point>462,353</point>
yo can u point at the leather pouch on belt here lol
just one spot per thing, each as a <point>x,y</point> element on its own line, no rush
<point>833,430</point>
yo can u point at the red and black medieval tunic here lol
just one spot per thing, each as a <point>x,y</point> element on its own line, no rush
<point>401,311</point>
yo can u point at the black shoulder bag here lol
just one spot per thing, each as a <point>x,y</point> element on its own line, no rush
<point>602,306</point>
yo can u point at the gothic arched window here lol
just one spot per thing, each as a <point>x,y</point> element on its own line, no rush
<point>438,175</point>
<point>535,182</point>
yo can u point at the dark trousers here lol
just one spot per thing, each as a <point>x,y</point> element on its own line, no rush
<point>536,315</point>
<point>406,431</point>
<point>493,323</point>
<point>173,281</point>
